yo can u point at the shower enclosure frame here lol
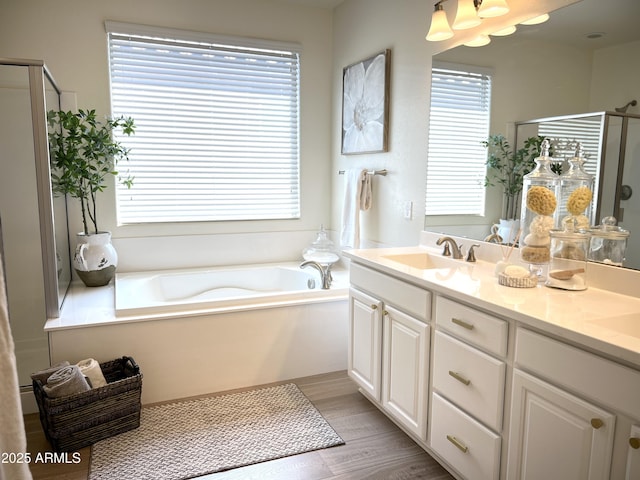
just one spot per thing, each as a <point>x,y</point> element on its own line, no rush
<point>38,73</point>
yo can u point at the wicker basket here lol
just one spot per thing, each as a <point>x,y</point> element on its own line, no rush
<point>79,420</point>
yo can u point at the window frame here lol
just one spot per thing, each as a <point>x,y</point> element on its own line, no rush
<point>290,167</point>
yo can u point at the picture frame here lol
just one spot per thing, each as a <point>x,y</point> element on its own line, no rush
<point>365,105</point>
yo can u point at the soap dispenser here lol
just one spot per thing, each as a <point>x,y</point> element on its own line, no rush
<point>321,250</point>
<point>576,193</point>
<point>539,202</point>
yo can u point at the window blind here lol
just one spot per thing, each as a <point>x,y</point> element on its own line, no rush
<point>458,123</point>
<point>566,132</point>
<point>216,126</point>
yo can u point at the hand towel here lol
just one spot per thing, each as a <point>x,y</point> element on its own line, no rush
<point>357,197</point>
<point>12,433</point>
<point>66,381</point>
<point>91,369</point>
<point>43,375</point>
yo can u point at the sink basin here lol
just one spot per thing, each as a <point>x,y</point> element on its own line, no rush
<point>423,261</point>
<point>624,324</point>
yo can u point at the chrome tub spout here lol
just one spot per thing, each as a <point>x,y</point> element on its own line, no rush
<point>325,272</point>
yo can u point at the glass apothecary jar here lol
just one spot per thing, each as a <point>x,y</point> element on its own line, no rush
<point>539,202</point>
<point>568,265</point>
<point>576,193</point>
<point>608,243</point>
<point>322,249</point>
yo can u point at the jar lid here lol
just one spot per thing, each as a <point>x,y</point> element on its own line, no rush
<point>609,230</point>
<point>570,231</point>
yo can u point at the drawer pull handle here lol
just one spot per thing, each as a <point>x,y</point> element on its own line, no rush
<point>462,323</point>
<point>596,423</point>
<point>459,377</point>
<point>374,307</point>
<point>634,442</point>
<point>461,446</point>
<point>385,313</point>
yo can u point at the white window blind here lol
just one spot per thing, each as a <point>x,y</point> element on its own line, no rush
<point>564,133</point>
<point>458,123</point>
<point>217,126</point>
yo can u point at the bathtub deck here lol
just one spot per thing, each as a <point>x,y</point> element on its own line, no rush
<point>367,433</point>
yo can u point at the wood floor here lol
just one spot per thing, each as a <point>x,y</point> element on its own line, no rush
<point>375,448</point>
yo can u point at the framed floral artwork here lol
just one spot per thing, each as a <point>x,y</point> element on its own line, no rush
<point>365,105</point>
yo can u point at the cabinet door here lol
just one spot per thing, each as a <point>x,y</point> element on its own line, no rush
<point>554,434</point>
<point>365,342</point>
<point>405,370</point>
<point>633,456</point>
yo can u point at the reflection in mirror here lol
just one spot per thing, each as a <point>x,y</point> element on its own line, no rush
<point>582,60</point>
<point>611,142</point>
<point>60,223</point>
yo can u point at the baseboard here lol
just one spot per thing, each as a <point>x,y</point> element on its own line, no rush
<point>28,400</point>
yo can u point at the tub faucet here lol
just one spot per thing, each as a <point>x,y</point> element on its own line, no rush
<point>449,242</point>
<point>325,272</point>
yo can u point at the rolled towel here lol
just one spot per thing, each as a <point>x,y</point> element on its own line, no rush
<point>66,381</point>
<point>91,369</point>
<point>43,375</point>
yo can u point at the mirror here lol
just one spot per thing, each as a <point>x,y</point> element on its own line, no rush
<point>60,217</point>
<point>561,67</point>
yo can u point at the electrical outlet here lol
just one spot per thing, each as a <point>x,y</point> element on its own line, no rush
<point>407,210</point>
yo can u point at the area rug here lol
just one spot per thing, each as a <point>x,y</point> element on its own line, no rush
<point>207,435</point>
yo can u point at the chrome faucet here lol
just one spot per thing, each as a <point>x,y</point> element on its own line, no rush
<point>324,269</point>
<point>451,248</point>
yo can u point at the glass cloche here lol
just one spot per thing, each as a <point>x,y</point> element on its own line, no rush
<point>539,201</point>
<point>576,193</point>
<point>322,249</point>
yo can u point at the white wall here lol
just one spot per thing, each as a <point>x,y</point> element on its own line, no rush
<point>69,36</point>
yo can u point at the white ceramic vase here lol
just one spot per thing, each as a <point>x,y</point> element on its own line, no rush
<point>508,230</point>
<point>95,259</point>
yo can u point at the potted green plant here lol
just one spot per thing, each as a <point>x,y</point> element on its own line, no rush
<point>506,168</point>
<point>83,154</point>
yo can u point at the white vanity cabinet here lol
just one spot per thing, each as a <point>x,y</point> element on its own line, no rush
<point>468,388</point>
<point>490,390</point>
<point>389,345</point>
<point>570,413</point>
<point>365,342</point>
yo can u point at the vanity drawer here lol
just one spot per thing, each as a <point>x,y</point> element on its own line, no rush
<point>471,379</point>
<point>472,449</point>
<point>611,384</point>
<point>481,329</point>
<point>413,300</point>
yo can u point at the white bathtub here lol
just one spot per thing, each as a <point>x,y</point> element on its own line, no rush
<point>194,291</point>
<point>189,340</point>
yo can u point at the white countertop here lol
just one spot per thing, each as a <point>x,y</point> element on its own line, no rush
<point>598,319</point>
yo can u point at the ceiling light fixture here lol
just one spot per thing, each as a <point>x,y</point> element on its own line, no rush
<point>536,20</point>
<point>479,41</point>
<point>466,15</point>
<point>492,8</point>
<point>503,32</point>
<point>439,29</point>
<point>469,14</point>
